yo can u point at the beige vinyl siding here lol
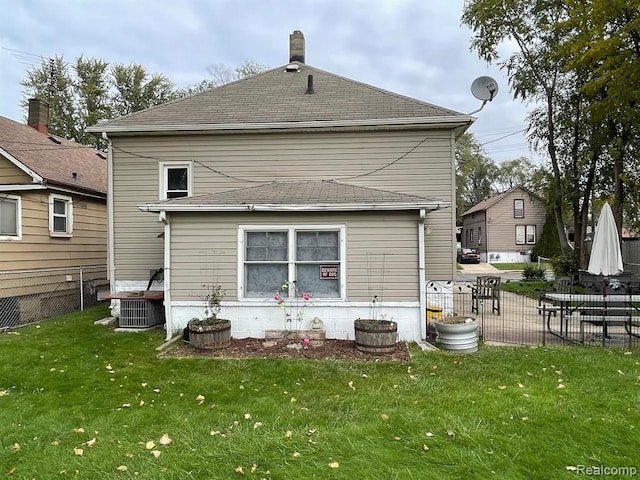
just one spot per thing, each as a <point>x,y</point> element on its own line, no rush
<point>10,174</point>
<point>381,255</point>
<point>501,225</point>
<point>412,162</point>
<point>36,249</point>
<point>474,222</point>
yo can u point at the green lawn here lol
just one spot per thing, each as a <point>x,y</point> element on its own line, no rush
<point>82,401</point>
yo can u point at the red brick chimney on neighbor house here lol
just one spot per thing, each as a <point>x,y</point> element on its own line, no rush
<point>38,115</point>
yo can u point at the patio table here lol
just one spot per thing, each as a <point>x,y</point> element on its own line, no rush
<point>619,306</point>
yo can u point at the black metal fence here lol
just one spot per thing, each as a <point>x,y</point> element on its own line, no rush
<point>521,320</point>
<point>28,296</point>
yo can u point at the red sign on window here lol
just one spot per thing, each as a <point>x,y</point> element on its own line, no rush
<point>328,272</point>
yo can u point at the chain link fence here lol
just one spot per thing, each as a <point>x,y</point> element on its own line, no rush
<point>28,296</point>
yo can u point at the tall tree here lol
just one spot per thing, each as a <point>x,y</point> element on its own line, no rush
<point>89,90</point>
<point>535,71</point>
<point>475,174</point>
<point>605,44</point>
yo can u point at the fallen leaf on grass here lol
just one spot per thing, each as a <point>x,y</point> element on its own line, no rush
<point>384,416</point>
<point>502,387</point>
<point>78,430</point>
<point>334,465</point>
<point>156,453</point>
<point>239,470</point>
<point>247,416</point>
<point>424,448</point>
<point>165,440</point>
<point>257,425</point>
<point>4,393</point>
<point>91,442</point>
<point>351,386</point>
<point>78,451</point>
<point>620,372</point>
<point>296,454</point>
<point>150,445</point>
<point>429,434</point>
<point>288,434</point>
<point>122,468</point>
<point>15,447</point>
<point>200,399</point>
<point>561,386</point>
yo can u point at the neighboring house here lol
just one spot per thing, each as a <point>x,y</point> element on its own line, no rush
<point>53,219</point>
<point>294,174</point>
<point>505,226</point>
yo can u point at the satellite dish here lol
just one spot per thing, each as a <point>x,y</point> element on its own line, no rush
<point>485,89</point>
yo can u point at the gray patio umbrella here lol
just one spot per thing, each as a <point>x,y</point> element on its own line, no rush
<point>606,258</point>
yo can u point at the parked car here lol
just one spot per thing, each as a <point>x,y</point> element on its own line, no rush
<point>468,255</point>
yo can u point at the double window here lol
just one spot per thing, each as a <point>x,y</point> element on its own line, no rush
<point>310,256</point>
<point>10,225</point>
<point>60,215</point>
<point>525,234</point>
<point>176,180</point>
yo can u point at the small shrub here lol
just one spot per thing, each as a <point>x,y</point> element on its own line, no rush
<point>566,265</point>
<point>533,272</point>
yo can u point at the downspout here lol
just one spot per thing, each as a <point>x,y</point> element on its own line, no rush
<point>167,275</point>
<point>422,279</point>
<point>111,262</point>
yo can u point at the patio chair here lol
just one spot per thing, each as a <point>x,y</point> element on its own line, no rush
<point>560,285</point>
<point>487,288</point>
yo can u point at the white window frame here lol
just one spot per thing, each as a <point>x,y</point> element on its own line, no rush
<point>291,229</point>
<point>18,235</point>
<point>518,212</point>
<point>163,176</point>
<point>68,215</point>
<point>523,231</point>
<point>530,230</point>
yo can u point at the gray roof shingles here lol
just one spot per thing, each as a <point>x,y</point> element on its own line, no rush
<point>305,193</point>
<point>277,96</point>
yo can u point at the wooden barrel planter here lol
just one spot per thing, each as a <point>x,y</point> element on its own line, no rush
<point>376,337</point>
<point>211,337</point>
<point>458,333</point>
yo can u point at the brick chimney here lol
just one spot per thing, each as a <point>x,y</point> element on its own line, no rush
<point>38,115</point>
<point>296,46</point>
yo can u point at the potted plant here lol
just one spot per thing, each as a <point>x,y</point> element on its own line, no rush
<point>210,332</point>
<point>458,333</point>
<point>376,335</point>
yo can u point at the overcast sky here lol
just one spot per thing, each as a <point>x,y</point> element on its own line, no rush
<point>416,48</point>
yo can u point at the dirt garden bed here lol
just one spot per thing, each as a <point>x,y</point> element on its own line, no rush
<point>317,350</point>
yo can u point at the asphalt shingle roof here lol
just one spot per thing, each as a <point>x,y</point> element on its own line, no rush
<point>277,96</point>
<point>53,158</point>
<point>320,194</point>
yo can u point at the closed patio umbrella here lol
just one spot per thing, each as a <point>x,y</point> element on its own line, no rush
<point>606,258</point>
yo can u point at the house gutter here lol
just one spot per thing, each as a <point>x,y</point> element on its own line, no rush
<point>271,207</point>
<point>440,121</point>
<point>422,279</point>
<point>110,235</point>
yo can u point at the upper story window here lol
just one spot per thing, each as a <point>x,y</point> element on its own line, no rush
<point>176,180</point>
<point>518,208</point>
<point>310,256</point>
<point>479,235</point>
<point>10,215</point>
<point>60,215</point>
